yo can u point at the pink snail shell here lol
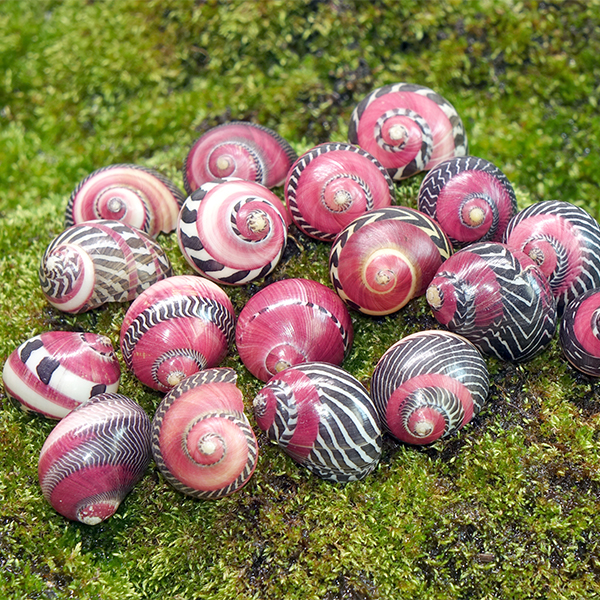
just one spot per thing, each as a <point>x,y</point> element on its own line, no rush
<point>94,457</point>
<point>238,149</point>
<point>332,184</point>
<point>292,321</point>
<point>177,327</point>
<point>202,441</point>
<point>56,371</point>
<point>139,196</point>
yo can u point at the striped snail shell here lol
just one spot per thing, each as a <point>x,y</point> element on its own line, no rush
<point>100,261</point>
<point>564,240</point>
<point>470,198</point>
<point>383,259</point>
<point>289,322</point>
<point>331,185</point>
<point>94,457</point>
<point>177,327</point>
<point>428,385</point>
<point>497,298</point>
<point>139,196</point>
<point>238,149</point>
<point>408,128</point>
<point>580,332</point>
<point>323,418</point>
<point>233,231</point>
<point>202,441</point>
<point>56,371</point>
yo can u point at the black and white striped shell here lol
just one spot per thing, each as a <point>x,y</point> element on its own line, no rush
<point>564,240</point>
<point>331,185</point>
<point>238,149</point>
<point>202,441</point>
<point>56,371</point>
<point>94,457</point>
<point>233,231</point>
<point>497,298</point>
<point>96,262</point>
<point>323,418</point>
<point>428,385</point>
<point>470,198</point>
<point>139,196</point>
<point>408,128</point>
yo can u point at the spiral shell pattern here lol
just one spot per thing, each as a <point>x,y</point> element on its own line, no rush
<point>470,198</point>
<point>202,441</point>
<point>323,418</point>
<point>238,149</point>
<point>331,185</point>
<point>564,240</point>
<point>94,457</point>
<point>233,231</point>
<point>428,385</point>
<point>289,322</point>
<point>56,371</point>
<point>497,298</point>
<point>408,128</point>
<point>139,196</point>
<point>175,328</point>
<point>101,261</point>
<point>383,259</point>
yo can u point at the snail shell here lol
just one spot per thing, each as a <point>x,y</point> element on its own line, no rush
<point>428,385</point>
<point>408,128</point>
<point>323,418</point>
<point>139,196</point>
<point>470,198</point>
<point>100,261</point>
<point>289,322</point>
<point>56,371</point>
<point>564,240</point>
<point>238,149</point>
<point>202,441</point>
<point>177,327</point>
<point>383,259</point>
<point>497,298</point>
<point>94,456</point>
<point>331,185</point>
<point>580,332</point>
<point>233,231</point>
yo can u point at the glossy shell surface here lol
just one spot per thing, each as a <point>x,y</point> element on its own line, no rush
<point>428,385</point>
<point>202,441</point>
<point>290,322</point>
<point>56,371</point>
<point>94,457</point>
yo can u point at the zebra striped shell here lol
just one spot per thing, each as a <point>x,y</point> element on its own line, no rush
<point>233,231</point>
<point>289,322</point>
<point>408,128</point>
<point>56,371</point>
<point>94,457</point>
<point>580,332</point>
<point>175,328</point>
<point>139,196</point>
<point>564,240</point>
<point>428,385</point>
<point>332,184</point>
<point>323,418</point>
<point>102,261</point>
<point>470,198</point>
<point>238,149</point>
<point>202,441</point>
<point>382,260</point>
<point>497,298</point>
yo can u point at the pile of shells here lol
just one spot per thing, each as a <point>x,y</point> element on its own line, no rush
<point>497,281</point>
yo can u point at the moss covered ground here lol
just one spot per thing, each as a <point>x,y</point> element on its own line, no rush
<point>509,507</point>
